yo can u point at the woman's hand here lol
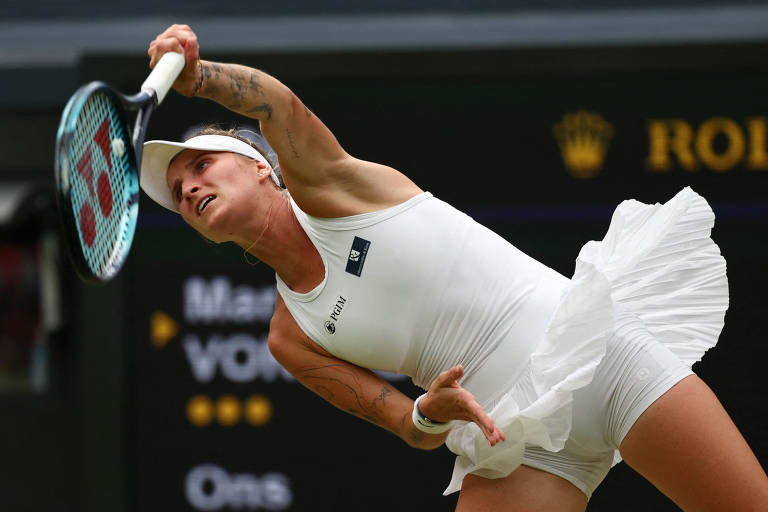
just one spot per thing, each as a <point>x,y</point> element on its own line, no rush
<point>446,400</point>
<point>179,39</point>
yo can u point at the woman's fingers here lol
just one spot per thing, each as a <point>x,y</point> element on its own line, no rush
<point>449,377</point>
<point>491,431</point>
<point>160,47</point>
<point>495,436</point>
<point>179,39</point>
<point>447,400</point>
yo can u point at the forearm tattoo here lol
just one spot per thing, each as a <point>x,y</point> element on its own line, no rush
<point>264,107</point>
<point>236,87</point>
<point>238,97</point>
<point>415,436</point>
<point>382,398</point>
<point>324,379</point>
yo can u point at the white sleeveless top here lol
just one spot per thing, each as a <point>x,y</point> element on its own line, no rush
<point>420,287</point>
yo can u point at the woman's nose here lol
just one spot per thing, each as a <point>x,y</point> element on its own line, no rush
<point>191,191</point>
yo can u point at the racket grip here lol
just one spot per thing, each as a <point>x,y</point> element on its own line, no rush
<point>161,79</point>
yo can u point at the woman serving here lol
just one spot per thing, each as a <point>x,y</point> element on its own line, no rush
<point>537,382</point>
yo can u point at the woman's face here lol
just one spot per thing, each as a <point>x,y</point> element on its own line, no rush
<point>216,192</point>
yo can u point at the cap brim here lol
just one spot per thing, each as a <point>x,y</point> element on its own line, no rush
<point>155,160</point>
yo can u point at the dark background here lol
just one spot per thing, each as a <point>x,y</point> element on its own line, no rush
<point>474,127</point>
<point>19,10</point>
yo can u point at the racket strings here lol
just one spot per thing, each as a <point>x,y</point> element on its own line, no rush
<point>101,168</point>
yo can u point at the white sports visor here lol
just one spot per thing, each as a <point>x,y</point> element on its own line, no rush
<point>158,155</point>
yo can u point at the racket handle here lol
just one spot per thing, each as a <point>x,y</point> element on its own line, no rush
<point>161,79</point>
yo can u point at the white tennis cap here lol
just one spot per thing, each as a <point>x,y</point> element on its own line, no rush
<point>158,154</point>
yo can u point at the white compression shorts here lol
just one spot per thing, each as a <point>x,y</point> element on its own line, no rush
<point>636,370</point>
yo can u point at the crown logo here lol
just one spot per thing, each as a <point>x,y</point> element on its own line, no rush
<point>583,138</point>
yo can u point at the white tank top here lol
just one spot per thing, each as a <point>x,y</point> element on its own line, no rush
<point>420,287</point>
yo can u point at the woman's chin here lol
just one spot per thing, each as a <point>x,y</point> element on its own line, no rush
<point>211,230</point>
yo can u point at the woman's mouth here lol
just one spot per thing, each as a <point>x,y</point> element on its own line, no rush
<point>205,202</point>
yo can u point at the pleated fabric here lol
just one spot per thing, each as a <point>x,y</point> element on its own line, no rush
<point>659,262</point>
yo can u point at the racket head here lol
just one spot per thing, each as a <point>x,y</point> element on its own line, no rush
<point>97,181</point>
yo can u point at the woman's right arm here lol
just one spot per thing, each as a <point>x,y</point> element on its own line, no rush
<point>304,145</point>
<point>323,178</point>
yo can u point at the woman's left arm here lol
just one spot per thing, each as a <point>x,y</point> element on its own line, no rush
<point>364,394</point>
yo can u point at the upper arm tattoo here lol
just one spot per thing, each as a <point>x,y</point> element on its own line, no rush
<point>292,144</point>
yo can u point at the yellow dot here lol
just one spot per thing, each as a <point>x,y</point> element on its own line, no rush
<point>200,410</point>
<point>162,329</point>
<point>258,410</point>
<point>228,410</point>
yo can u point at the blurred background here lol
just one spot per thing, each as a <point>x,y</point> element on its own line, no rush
<point>157,392</point>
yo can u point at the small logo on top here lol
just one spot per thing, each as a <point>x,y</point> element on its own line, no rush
<point>330,324</point>
<point>357,255</point>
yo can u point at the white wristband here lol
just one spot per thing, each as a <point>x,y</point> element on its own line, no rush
<point>425,424</point>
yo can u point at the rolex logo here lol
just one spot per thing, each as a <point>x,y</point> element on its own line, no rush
<point>583,138</point>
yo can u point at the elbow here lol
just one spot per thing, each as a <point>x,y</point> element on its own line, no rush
<point>295,105</point>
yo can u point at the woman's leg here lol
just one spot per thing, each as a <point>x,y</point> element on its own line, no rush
<point>525,489</point>
<point>687,446</point>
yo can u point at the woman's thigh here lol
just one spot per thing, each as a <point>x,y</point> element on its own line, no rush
<point>687,446</point>
<point>525,489</point>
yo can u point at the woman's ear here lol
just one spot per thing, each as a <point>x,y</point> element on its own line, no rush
<point>263,169</point>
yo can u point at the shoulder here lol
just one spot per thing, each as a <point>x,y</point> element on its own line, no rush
<point>352,187</point>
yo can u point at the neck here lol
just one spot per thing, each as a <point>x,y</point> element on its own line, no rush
<point>284,245</point>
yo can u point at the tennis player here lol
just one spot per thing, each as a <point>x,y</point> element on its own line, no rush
<point>538,383</point>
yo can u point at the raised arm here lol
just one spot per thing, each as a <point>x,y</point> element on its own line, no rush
<point>302,142</point>
<point>323,178</point>
<point>364,394</point>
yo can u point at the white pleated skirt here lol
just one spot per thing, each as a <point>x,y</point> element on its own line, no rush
<point>657,262</point>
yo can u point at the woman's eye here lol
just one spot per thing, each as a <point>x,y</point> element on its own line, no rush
<point>202,165</point>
